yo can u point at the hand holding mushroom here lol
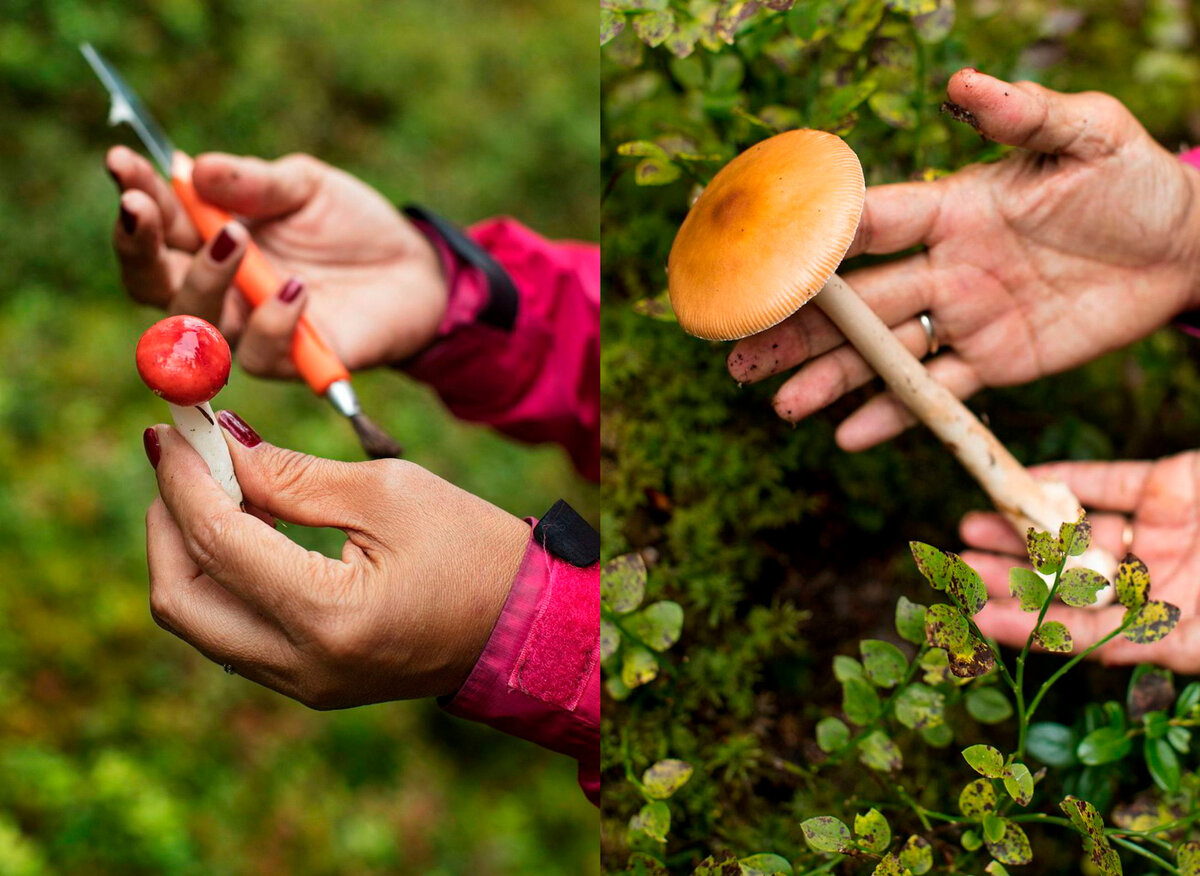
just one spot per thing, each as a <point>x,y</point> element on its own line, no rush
<point>764,238</point>
<point>405,612</point>
<point>1033,265</point>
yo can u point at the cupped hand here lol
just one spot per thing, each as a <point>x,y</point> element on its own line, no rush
<point>404,613</point>
<point>1161,503</point>
<point>1081,243</point>
<point>370,281</point>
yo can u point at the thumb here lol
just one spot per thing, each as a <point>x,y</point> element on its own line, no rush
<point>255,188</point>
<point>299,488</point>
<point>1088,125</point>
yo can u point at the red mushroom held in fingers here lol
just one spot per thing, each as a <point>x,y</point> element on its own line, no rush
<point>186,361</point>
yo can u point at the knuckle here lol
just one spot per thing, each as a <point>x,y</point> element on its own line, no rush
<point>163,605</point>
<point>200,539</point>
<point>295,474</point>
<point>252,359</point>
<point>302,163</point>
<point>394,474</point>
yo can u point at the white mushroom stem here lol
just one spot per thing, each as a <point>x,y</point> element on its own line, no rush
<point>198,424</point>
<point>1020,497</point>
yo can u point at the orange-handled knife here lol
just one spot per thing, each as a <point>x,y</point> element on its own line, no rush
<point>256,278</point>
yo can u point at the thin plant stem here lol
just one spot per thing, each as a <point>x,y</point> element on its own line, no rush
<point>1066,667</point>
<point>1146,853</point>
<point>1023,714</point>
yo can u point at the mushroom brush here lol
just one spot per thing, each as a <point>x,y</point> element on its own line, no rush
<point>765,237</point>
<point>186,361</point>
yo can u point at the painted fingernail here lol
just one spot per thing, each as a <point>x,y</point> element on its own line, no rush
<point>238,428</point>
<point>222,246</point>
<point>153,450</point>
<point>128,220</point>
<point>291,290</point>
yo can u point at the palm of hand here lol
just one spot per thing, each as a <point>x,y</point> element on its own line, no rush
<point>1166,531</point>
<point>1043,263</point>
<point>374,282</point>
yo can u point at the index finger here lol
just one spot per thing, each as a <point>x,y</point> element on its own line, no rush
<point>132,171</point>
<point>898,216</point>
<point>251,559</point>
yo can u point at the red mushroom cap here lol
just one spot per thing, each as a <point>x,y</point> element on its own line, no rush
<point>184,360</point>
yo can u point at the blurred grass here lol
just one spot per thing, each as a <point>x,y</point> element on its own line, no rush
<point>122,750</point>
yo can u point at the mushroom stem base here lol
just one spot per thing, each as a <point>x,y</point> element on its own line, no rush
<point>198,425</point>
<point>1024,500</point>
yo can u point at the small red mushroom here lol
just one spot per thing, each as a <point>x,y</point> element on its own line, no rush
<point>186,361</point>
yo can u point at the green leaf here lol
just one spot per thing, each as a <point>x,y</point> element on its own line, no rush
<point>1029,587</point>
<point>813,20</point>
<point>727,74</point>
<point>971,841</point>
<point>896,110</point>
<point>1151,622</point>
<point>1076,537</point>
<point>916,855</point>
<point>859,701</point>
<point>919,706</point>
<point>873,830</point>
<point>655,172</point>
<point>858,21</point>
<point>878,752</point>
<point>847,667</point>
<point>611,24</point>
<point>1189,700</point>
<point>993,828</point>
<point>913,7</point>
<point>623,583</point>
<point>1087,820</point>
<point>1018,781</point>
<point>978,798</point>
<point>995,868</point>
<point>832,735</point>
<point>653,28</point>
<point>638,666</point>
<point>931,562</point>
<point>1187,858</point>
<point>883,662</point>
<point>1013,845</point>
<point>666,777</point>
<point>658,307</point>
<point>937,25</point>
<point>1078,587</point>
<point>1054,637</point>
<point>964,585</point>
<point>985,760</point>
<point>936,666</point>
<point>910,620</point>
<point>946,628</point>
<point>826,834</point>
<point>658,625</point>
<point>1180,738</point>
<point>654,820</point>
<point>938,736</point>
<point>1045,553</point>
<point>1133,582</point>
<point>1163,763</point>
<point>1103,745</point>
<point>765,865</point>
<point>1156,724</point>
<point>641,149</point>
<point>889,866</point>
<point>1052,744</point>
<point>610,639</point>
<point>989,705</point>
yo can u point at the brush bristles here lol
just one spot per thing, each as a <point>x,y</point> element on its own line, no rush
<point>376,443</point>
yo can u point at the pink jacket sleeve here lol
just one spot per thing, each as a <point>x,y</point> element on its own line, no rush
<point>1189,321</point>
<point>540,381</point>
<point>538,677</point>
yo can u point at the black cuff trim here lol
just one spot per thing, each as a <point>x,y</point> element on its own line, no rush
<point>568,536</point>
<point>501,308</point>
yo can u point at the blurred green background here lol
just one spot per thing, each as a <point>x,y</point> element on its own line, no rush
<point>782,549</point>
<point>122,750</point>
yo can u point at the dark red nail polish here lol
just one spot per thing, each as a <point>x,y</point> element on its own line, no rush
<point>238,428</point>
<point>153,450</point>
<point>222,246</point>
<point>291,290</point>
<point>128,220</point>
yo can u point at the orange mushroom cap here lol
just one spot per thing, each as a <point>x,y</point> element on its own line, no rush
<point>765,235</point>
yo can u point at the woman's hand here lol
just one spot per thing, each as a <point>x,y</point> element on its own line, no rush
<point>1083,243</point>
<point>404,613</point>
<point>372,283</point>
<point>1161,503</point>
